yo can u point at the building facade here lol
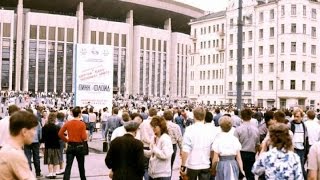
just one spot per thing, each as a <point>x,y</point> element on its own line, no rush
<point>280,62</point>
<point>37,51</point>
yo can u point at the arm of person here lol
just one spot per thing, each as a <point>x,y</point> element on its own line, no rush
<point>313,163</point>
<point>21,168</point>
<point>84,133</point>
<point>312,174</point>
<point>166,150</point>
<point>108,159</point>
<point>259,166</point>
<point>140,161</point>
<point>62,131</point>
<point>214,162</point>
<point>239,160</point>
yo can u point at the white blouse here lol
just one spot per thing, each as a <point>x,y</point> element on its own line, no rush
<point>226,144</point>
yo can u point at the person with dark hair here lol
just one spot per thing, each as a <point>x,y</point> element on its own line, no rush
<point>280,162</point>
<point>143,113</point>
<point>236,120</point>
<point>76,130</point>
<point>263,128</point>
<point>180,121</point>
<point>217,117</point>
<point>120,131</point>
<point>13,162</point>
<point>113,123</point>
<point>51,140</point>
<point>92,122</point>
<point>160,151</point>
<point>249,137</point>
<point>125,157</point>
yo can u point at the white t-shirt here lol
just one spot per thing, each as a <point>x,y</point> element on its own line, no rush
<point>226,144</point>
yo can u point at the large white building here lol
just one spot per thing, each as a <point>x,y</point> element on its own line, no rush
<point>281,52</point>
<point>150,43</point>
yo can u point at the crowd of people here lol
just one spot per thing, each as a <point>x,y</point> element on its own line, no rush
<point>145,137</point>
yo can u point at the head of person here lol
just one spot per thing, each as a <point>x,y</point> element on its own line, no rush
<point>76,112</point>
<point>225,123</point>
<point>52,118</point>
<point>298,115</point>
<point>311,114</point>
<point>246,114</point>
<point>131,126</point>
<point>22,126</point>
<point>159,125</point>
<point>236,112</point>
<point>60,116</point>
<point>125,117</point>
<point>168,115</point>
<point>209,117</point>
<point>199,113</point>
<point>91,110</point>
<point>12,109</point>
<point>280,117</point>
<point>136,117</point>
<point>268,118</point>
<point>152,112</point>
<point>115,111</point>
<point>280,137</point>
<point>217,110</point>
<point>143,109</point>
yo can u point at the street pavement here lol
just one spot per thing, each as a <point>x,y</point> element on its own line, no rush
<point>94,163</point>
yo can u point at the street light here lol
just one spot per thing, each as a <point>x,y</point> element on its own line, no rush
<point>239,58</point>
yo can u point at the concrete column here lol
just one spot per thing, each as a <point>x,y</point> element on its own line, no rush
<point>169,86</point>
<point>19,44</point>
<point>80,22</point>
<point>129,55</point>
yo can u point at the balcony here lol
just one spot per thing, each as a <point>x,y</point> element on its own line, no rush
<point>221,33</point>
<point>192,52</point>
<point>220,48</point>
<point>193,37</point>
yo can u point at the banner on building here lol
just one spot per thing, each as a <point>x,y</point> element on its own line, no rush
<point>94,75</point>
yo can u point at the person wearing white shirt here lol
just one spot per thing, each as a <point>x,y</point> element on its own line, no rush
<point>4,125</point>
<point>196,148</point>
<point>313,128</point>
<point>104,118</point>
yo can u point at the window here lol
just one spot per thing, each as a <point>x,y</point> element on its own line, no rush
<point>313,67</point>
<point>293,28</point>
<point>313,32</point>
<point>260,33</point>
<point>60,34</point>
<point>231,39</point>
<point>282,28</point>
<point>43,32</point>
<point>282,10</point>
<point>231,54</point>
<point>70,34</point>
<point>6,30</point>
<point>230,86</point>
<point>303,85</point>
<point>52,33</point>
<point>282,47</point>
<point>313,49</point>
<point>33,32</point>
<point>271,14</point>
<point>231,23</point>
<point>249,85</point>
<point>282,66</point>
<point>260,68</point>
<point>243,36</point>
<point>293,47</point>
<point>260,50</point>
<point>209,29</point>
<point>260,84</point>
<point>250,35</point>
<point>250,52</point>
<point>304,10</point>
<point>271,67</point>
<point>293,65</point>
<point>243,52</point>
<point>293,84</point>
<point>230,70</point>
<point>312,86</point>
<point>272,32</point>
<point>314,14</point>
<point>270,85</point>
<point>271,49</point>
<point>249,69</point>
<point>208,75</point>
<point>304,29</point>
<point>303,66</point>
<point>243,69</point>
<point>281,84</point>
<point>261,17</point>
<point>293,10</point>
<point>304,46</point>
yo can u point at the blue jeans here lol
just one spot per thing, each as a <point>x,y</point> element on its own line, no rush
<point>103,128</point>
<point>91,127</point>
<point>75,150</point>
<point>301,154</point>
<point>32,150</point>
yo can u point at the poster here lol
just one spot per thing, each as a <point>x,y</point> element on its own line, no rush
<point>94,76</point>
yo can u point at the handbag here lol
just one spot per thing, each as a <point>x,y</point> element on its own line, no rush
<point>85,147</point>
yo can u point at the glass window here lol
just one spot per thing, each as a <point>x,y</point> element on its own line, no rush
<point>148,43</point>
<point>271,14</point>
<point>6,29</point>
<point>60,34</point>
<point>52,33</point>
<point>70,35</point>
<point>293,47</point>
<point>293,65</point>
<point>123,40</point>
<point>43,32</point>
<point>33,32</point>
<point>293,28</point>
<point>313,67</point>
<point>116,39</point>
<point>292,84</point>
<point>93,37</point>
<point>109,38</point>
<point>153,44</point>
<point>293,9</point>
<point>141,43</point>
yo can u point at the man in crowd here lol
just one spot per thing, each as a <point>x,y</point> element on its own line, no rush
<point>4,125</point>
<point>13,162</point>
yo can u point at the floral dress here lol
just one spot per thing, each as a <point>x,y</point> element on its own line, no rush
<point>278,164</point>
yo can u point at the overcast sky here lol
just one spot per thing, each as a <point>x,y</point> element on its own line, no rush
<point>207,5</point>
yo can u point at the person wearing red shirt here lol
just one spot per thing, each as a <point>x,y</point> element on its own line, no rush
<point>76,130</point>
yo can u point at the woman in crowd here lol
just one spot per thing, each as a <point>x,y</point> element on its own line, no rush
<point>227,160</point>
<point>52,145</point>
<point>160,151</point>
<point>280,162</point>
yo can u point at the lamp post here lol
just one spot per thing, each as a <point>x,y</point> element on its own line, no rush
<point>239,58</point>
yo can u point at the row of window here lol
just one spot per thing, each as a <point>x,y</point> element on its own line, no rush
<point>293,66</point>
<point>106,38</point>
<point>216,74</point>
<point>272,85</point>
<point>216,58</point>
<point>213,44</point>
<point>182,49</point>
<point>215,89</point>
<point>40,32</point>
<point>215,28</point>
<point>146,42</point>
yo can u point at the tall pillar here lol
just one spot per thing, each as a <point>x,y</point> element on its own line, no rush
<point>129,63</point>
<point>80,22</point>
<point>19,45</point>
<point>169,85</point>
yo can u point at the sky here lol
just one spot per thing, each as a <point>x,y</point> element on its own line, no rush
<point>207,5</point>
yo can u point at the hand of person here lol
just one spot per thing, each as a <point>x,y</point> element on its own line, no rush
<point>111,174</point>
<point>183,174</point>
<point>243,173</point>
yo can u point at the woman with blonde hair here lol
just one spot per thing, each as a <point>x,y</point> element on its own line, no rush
<point>280,162</point>
<point>226,160</point>
<point>52,145</point>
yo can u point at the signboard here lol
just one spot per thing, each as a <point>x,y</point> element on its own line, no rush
<point>94,75</point>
